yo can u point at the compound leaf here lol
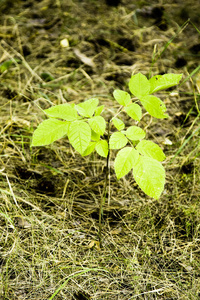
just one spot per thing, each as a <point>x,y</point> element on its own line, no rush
<point>125,160</point>
<point>150,176</point>
<point>154,106</point>
<point>150,149</point>
<point>117,140</point>
<point>139,85</point>
<point>79,135</point>
<point>98,124</point>
<point>135,133</point>
<point>87,108</point>
<point>49,131</point>
<point>123,98</point>
<point>98,110</point>
<point>65,111</point>
<point>89,149</point>
<point>102,148</point>
<point>134,111</point>
<point>119,124</point>
<point>94,136</point>
<point>161,82</point>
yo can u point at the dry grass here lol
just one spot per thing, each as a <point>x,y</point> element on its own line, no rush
<point>49,197</point>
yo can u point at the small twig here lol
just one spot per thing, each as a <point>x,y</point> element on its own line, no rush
<point>149,292</point>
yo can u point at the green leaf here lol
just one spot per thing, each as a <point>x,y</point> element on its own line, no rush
<point>150,149</point>
<point>134,111</point>
<point>154,106</point>
<point>79,135</point>
<point>123,98</point>
<point>87,108</point>
<point>150,176</point>
<point>49,131</point>
<point>62,111</point>
<point>125,160</point>
<point>89,149</point>
<point>139,85</point>
<point>99,110</point>
<point>102,148</point>
<point>119,124</point>
<point>135,133</point>
<point>117,140</point>
<point>6,64</point>
<point>161,82</point>
<point>98,124</point>
<point>46,76</point>
<point>94,136</point>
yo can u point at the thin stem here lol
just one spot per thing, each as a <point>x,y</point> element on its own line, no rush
<point>103,198</point>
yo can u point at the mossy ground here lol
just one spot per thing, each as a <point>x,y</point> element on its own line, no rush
<point>50,195</point>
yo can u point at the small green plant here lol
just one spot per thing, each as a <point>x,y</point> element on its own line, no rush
<point>88,131</point>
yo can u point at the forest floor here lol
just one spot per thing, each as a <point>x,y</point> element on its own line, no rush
<point>53,52</point>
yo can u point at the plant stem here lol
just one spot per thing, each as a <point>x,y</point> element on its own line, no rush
<point>103,198</point>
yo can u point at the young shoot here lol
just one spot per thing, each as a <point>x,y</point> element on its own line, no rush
<point>85,127</point>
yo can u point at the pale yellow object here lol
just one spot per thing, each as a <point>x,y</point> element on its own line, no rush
<point>64,43</point>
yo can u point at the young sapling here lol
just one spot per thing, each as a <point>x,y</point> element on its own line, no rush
<point>85,128</point>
